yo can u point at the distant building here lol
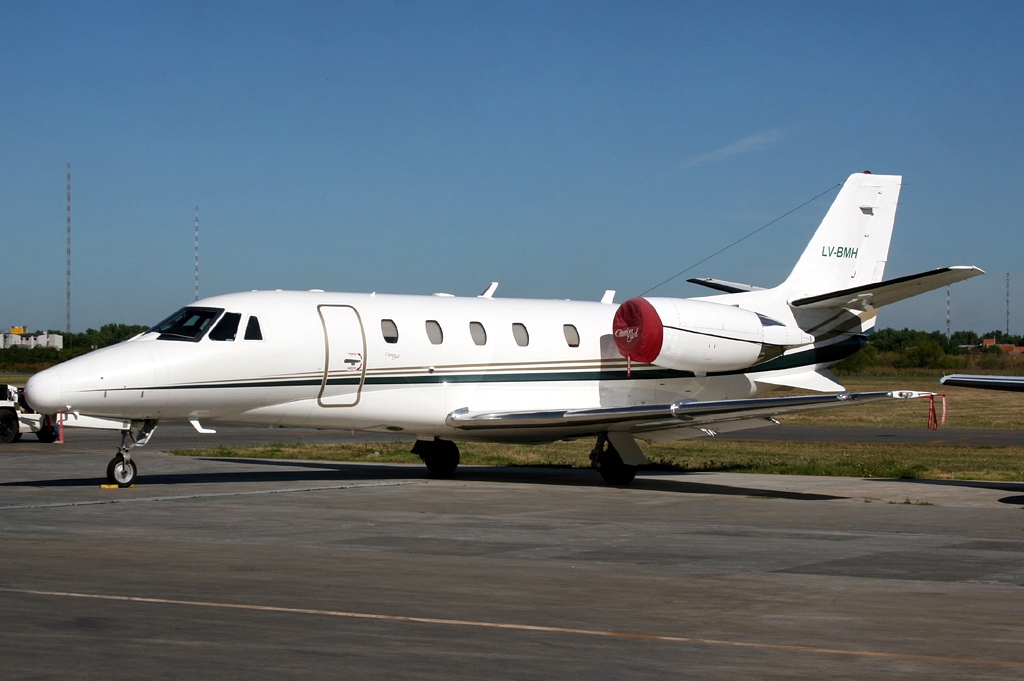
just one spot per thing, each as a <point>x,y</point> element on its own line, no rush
<point>1007,348</point>
<point>18,337</point>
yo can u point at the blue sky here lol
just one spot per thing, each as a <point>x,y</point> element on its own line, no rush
<point>559,148</point>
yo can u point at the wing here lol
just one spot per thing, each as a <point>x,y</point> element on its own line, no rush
<point>872,296</point>
<point>1015,383</point>
<point>651,418</point>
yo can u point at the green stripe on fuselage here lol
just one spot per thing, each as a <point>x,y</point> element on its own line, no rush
<point>828,353</point>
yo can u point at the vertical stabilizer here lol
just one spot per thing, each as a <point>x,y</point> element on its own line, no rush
<point>851,245</point>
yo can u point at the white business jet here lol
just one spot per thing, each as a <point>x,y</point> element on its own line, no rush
<point>446,368</point>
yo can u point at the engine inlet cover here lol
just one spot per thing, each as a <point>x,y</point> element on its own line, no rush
<point>638,330</point>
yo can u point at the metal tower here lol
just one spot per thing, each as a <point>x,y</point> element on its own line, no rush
<point>949,332</point>
<point>69,253</point>
<point>197,252</point>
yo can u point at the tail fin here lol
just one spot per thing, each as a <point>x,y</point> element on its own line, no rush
<point>851,245</point>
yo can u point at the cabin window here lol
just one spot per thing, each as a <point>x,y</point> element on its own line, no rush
<point>434,332</point>
<point>572,336</point>
<point>226,328</point>
<point>187,324</point>
<point>252,329</point>
<point>479,334</point>
<point>389,330</point>
<point>521,335</point>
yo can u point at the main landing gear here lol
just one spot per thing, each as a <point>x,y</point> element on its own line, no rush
<point>609,464</point>
<point>441,456</point>
<point>121,470</point>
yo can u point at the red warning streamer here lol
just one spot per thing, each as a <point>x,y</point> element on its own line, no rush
<point>933,423</point>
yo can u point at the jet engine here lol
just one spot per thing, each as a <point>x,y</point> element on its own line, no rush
<point>699,336</point>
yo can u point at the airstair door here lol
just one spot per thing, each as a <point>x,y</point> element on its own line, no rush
<point>344,356</point>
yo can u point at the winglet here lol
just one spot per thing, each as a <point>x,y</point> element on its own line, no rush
<point>489,293</point>
<point>609,297</point>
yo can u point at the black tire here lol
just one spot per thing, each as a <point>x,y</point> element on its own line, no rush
<point>440,456</point>
<point>618,476</point>
<point>17,438</point>
<point>122,473</point>
<point>612,470</point>
<point>47,434</point>
<point>8,426</point>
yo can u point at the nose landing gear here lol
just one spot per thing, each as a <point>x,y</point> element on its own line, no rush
<point>121,470</point>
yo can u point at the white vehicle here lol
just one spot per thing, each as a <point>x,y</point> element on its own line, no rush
<point>442,367</point>
<point>17,419</point>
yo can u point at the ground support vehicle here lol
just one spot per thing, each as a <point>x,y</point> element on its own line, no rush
<point>16,418</point>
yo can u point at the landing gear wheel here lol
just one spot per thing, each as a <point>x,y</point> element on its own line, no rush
<point>609,464</point>
<point>440,456</point>
<point>8,426</point>
<point>617,473</point>
<point>120,472</point>
<point>47,434</point>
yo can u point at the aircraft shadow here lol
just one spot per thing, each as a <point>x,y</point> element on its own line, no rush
<point>331,472</point>
<point>977,484</point>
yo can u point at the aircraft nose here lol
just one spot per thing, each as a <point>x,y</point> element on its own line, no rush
<point>43,392</point>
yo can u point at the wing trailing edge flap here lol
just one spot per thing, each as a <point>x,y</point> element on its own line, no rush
<point>822,380</point>
<point>650,418</point>
<point>681,432</point>
<point>872,296</point>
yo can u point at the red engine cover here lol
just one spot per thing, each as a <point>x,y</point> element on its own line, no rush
<point>638,330</point>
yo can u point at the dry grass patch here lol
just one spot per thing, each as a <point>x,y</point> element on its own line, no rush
<point>967,407</point>
<point>14,378</point>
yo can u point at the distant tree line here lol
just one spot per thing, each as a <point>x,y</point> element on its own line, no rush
<point>75,344</point>
<point>905,351</point>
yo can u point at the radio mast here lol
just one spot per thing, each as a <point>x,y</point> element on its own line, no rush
<point>949,332</point>
<point>197,252</point>
<point>69,253</point>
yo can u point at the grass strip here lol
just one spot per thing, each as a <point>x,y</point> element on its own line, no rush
<point>846,459</point>
<point>968,407</point>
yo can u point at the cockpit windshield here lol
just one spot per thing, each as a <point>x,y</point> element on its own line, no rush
<point>187,324</point>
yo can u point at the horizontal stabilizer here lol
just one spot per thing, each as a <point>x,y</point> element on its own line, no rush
<point>1014,383</point>
<point>872,296</point>
<point>725,286</point>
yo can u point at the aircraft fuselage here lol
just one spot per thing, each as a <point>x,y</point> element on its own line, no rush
<point>388,363</point>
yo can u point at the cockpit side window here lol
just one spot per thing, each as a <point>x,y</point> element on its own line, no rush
<point>252,329</point>
<point>226,328</point>
<point>187,324</point>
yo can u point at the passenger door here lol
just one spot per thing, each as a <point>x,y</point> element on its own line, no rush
<point>344,356</point>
